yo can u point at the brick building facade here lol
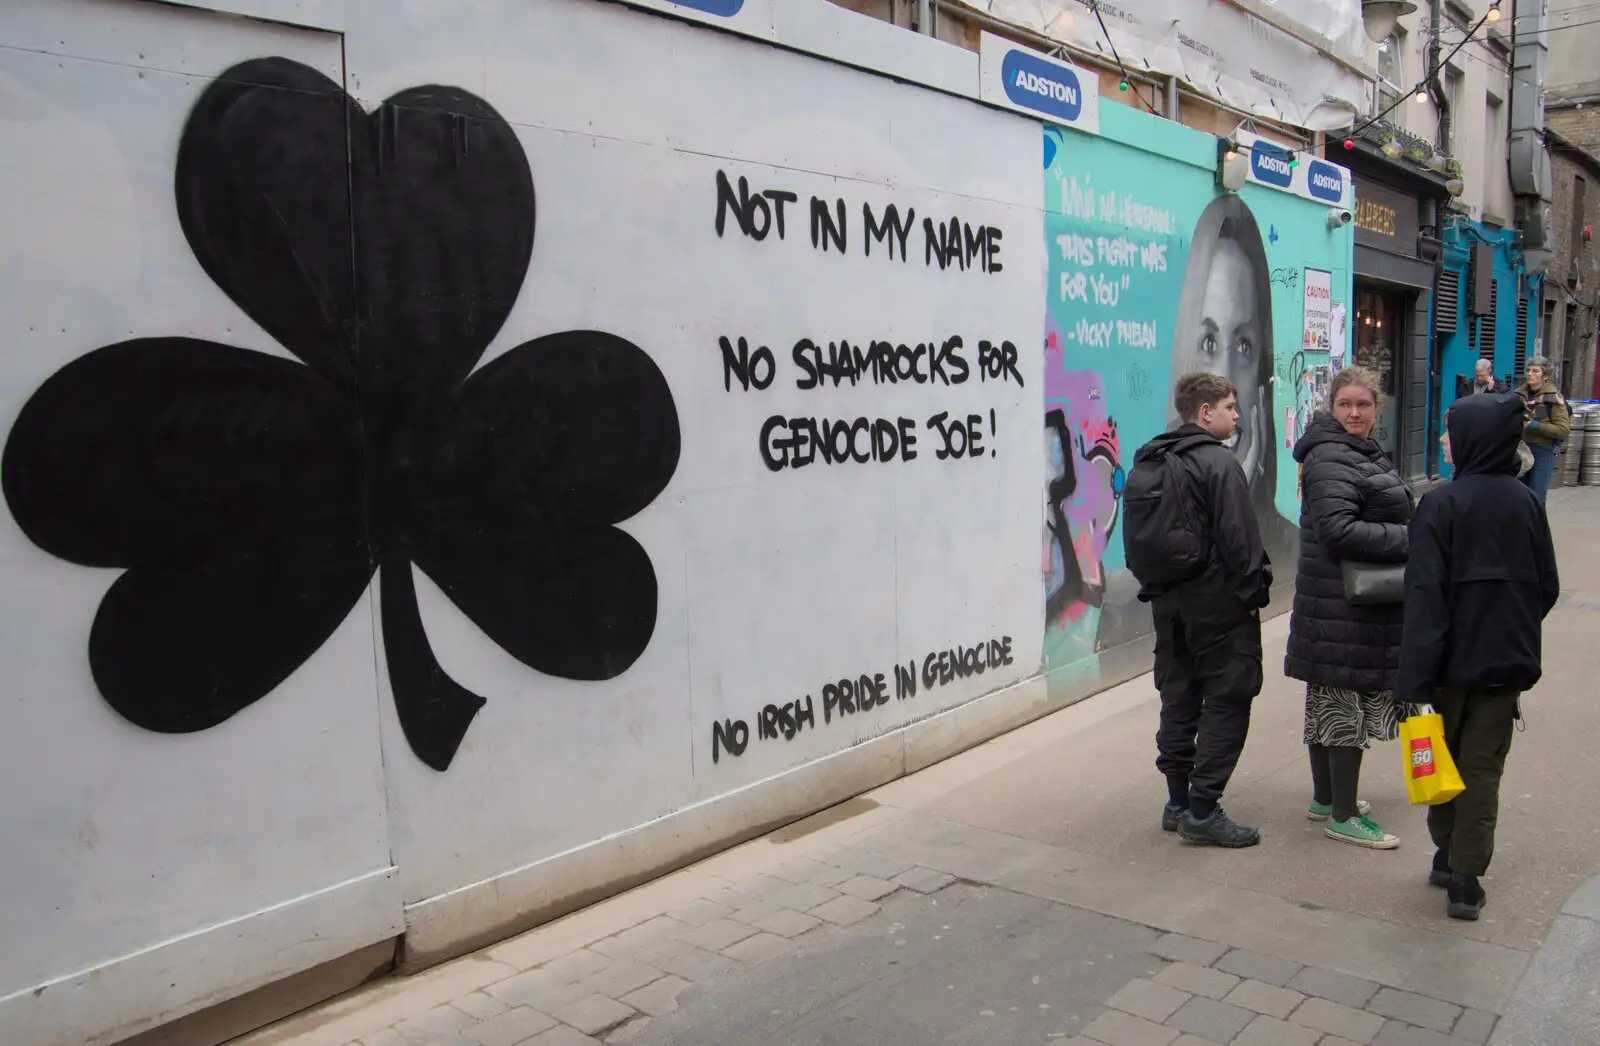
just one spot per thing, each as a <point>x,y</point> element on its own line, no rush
<point>1572,284</point>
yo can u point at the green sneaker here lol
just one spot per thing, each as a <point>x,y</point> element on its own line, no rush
<point>1317,812</point>
<point>1360,831</point>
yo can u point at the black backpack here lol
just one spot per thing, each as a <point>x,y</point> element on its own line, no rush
<point>1163,538</point>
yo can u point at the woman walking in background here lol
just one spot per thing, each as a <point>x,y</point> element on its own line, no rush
<point>1548,423</point>
<point>1354,507</point>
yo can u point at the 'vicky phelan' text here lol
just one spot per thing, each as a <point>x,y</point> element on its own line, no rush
<point>847,697</point>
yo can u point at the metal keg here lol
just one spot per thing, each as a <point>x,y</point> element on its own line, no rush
<point>1589,467</point>
<point>1582,417</point>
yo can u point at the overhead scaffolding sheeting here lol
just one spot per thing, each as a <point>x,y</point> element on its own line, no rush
<point>1299,62</point>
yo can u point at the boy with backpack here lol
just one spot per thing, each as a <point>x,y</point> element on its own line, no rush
<point>1480,579</point>
<point>1192,540</point>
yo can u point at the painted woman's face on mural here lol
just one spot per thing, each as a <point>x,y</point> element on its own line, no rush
<point>1229,341</point>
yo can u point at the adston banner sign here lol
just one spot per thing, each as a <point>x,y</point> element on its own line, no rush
<point>1023,79</point>
<point>1301,173</point>
<point>752,17</point>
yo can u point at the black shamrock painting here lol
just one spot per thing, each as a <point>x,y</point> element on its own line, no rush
<point>251,498</point>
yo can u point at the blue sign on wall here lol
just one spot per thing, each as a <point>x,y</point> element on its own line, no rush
<point>1025,80</point>
<point>1296,171</point>
<point>720,8</point>
<point>1270,164</point>
<point>1036,84</point>
<point>1325,182</point>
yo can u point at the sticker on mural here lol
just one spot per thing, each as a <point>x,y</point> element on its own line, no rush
<point>249,499</point>
<point>1318,311</point>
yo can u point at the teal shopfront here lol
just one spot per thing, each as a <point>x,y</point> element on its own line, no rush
<point>1484,310</point>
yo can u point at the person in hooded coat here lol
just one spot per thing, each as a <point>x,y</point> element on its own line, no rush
<point>1480,580</point>
<point>1354,506</point>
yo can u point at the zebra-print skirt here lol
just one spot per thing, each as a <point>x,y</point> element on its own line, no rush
<point>1349,718</point>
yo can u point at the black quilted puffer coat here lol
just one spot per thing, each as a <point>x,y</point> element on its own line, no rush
<point>1353,505</point>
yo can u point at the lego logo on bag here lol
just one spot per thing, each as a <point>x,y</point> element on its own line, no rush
<point>1422,757</point>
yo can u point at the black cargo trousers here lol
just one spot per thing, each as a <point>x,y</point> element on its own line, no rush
<point>1208,671</point>
<point>1478,726</point>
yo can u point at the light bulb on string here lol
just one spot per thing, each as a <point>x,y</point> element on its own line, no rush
<point>1493,14</point>
<point>1422,94</point>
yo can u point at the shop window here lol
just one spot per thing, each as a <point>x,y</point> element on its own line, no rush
<point>1453,81</point>
<point>1575,236</point>
<point>1378,336</point>
<point>1547,330</point>
<point>1569,356</point>
<point>1391,71</point>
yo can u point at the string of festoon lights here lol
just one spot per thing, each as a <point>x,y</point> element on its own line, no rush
<point>1419,92</point>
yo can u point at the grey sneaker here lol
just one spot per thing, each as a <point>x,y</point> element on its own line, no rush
<point>1170,815</point>
<point>1217,830</point>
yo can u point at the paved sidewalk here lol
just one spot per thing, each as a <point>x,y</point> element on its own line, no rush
<point>1559,999</point>
<point>1023,892</point>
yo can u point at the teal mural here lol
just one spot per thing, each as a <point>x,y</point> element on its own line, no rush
<point>1155,272</point>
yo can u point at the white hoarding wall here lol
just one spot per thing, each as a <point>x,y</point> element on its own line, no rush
<point>843,309</point>
<point>672,424</point>
<point>1221,50</point>
<point>135,842</point>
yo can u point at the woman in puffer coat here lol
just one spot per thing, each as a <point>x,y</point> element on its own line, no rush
<point>1354,506</point>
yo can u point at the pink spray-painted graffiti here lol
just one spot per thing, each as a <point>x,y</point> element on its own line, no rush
<point>1084,490</point>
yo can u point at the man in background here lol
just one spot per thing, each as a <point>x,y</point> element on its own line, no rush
<point>1483,379</point>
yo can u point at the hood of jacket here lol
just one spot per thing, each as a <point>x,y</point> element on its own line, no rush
<point>1484,433</point>
<point>1166,441</point>
<point>1325,428</point>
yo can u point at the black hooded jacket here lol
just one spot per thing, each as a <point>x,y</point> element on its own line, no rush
<point>1239,569</point>
<point>1353,505</point>
<point>1482,574</point>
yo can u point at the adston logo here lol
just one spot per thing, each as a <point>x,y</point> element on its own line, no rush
<point>1050,89</point>
<point>1270,164</point>
<point>721,8</point>
<point>1325,182</point>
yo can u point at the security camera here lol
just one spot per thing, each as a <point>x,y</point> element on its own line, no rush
<point>1338,217</point>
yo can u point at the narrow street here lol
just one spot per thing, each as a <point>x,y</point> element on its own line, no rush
<point>1023,892</point>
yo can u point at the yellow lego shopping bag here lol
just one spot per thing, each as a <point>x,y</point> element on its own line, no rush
<point>1431,776</point>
